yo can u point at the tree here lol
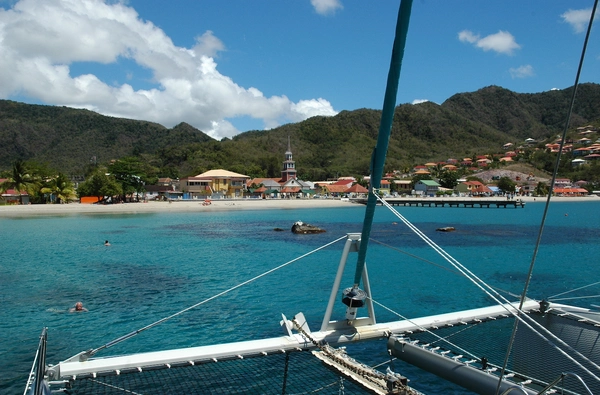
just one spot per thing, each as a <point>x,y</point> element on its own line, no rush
<point>19,179</point>
<point>541,189</point>
<point>100,185</point>
<point>506,185</point>
<point>448,179</point>
<point>61,188</point>
<point>132,174</point>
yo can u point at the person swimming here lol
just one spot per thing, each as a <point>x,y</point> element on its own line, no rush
<point>106,243</point>
<point>78,308</point>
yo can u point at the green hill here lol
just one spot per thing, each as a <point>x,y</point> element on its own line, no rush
<point>467,124</point>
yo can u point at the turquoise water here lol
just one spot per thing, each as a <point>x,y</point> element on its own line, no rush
<point>158,264</point>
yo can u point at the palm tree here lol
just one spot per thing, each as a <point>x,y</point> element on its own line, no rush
<point>20,180</point>
<point>61,187</point>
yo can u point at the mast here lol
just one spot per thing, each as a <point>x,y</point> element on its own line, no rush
<point>385,128</point>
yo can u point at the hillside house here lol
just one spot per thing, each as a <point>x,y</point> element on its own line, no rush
<point>562,183</point>
<point>402,186</point>
<point>473,188</point>
<point>426,187</point>
<point>584,141</point>
<point>482,162</point>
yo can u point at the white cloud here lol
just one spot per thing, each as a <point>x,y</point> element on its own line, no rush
<point>522,71</point>
<point>578,19</point>
<point>468,36</point>
<point>208,45</point>
<point>326,7</point>
<point>419,101</point>
<point>501,42</point>
<point>40,40</point>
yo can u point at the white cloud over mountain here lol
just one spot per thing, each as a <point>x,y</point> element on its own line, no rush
<point>42,40</point>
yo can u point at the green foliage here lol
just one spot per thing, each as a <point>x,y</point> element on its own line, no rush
<point>76,142</point>
<point>133,174</point>
<point>506,185</point>
<point>448,179</point>
<point>100,185</point>
<point>21,180</point>
<point>60,189</point>
<point>541,189</point>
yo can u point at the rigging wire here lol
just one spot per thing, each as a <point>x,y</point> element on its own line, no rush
<point>488,290</point>
<point>550,189</point>
<point>577,297</point>
<point>131,334</point>
<point>573,290</point>
<point>444,339</point>
<point>498,289</point>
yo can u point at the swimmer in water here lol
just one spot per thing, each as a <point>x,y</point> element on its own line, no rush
<point>106,243</point>
<point>78,308</point>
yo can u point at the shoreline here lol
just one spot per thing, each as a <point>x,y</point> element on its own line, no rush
<point>175,206</point>
<point>223,205</point>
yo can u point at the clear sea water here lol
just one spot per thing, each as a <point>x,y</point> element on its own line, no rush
<point>161,263</point>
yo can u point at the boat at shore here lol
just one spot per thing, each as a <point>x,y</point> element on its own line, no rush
<point>514,345</point>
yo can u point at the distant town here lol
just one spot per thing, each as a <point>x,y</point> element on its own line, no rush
<point>479,176</point>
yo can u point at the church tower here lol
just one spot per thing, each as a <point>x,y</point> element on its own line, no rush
<point>289,166</point>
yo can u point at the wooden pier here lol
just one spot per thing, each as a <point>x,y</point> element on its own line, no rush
<point>435,202</point>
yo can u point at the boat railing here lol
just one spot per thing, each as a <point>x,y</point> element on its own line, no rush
<point>35,381</point>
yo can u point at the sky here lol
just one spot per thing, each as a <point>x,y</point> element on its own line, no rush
<point>230,66</point>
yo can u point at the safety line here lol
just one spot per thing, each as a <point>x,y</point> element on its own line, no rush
<point>131,334</point>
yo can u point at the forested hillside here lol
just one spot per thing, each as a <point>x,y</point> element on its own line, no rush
<point>467,124</point>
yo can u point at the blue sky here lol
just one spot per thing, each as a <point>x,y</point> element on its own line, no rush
<point>231,66</point>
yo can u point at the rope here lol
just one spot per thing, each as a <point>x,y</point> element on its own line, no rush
<point>573,290</point>
<point>457,265</point>
<point>523,318</point>
<point>427,330</point>
<point>285,373</point>
<point>435,264</point>
<point>366,372</point>
<point>115,387</point>
<point>130,335</point>
<point>547,205</point>
<point>577,297</point>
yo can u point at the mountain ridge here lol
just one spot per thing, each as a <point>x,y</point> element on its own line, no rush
<point>464,125</point>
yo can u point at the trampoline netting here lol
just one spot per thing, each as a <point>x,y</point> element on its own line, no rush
<point>286,373</point>
<point>532,358</point>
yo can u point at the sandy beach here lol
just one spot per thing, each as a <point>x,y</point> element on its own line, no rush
<point>165,207</point>
<point>218,205</point>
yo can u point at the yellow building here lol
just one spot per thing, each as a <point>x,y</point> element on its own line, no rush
<point>217,182</point>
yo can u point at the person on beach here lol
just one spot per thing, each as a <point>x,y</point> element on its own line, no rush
<point>106,243</point>
<point>78,308</point>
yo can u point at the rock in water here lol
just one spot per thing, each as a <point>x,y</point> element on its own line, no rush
<point>300,227</point>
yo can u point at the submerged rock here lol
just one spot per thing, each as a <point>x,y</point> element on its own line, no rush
<point>300,227</point>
